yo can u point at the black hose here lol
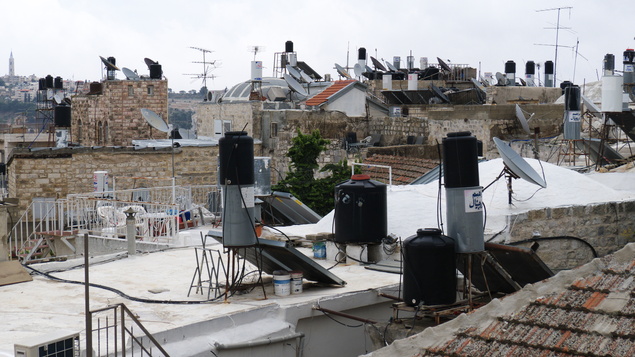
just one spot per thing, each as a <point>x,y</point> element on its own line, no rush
<point>595,253</point>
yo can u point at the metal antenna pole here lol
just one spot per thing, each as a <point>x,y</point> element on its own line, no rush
<point>555,60</point>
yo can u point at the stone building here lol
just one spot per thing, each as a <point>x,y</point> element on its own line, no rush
<point>109,115</point>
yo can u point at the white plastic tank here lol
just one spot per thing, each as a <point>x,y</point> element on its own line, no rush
<point>413,80</point>
<point>100,181</point>
<point>612,93</point>
<point>387,82</point>
<point>256,70</point>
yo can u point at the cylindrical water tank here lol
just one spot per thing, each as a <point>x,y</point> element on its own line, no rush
<point>460,160</point>
<point>530,72</point>
<point>288,46</point>
<point>58,83</point>
<point>423,63</point>
<point>42,84</point>
<point>629,66</point>
<point>256,70</point>
<point>396,61</point>
<point>62,116</point>
<point>236,173</point>
<point>510,72</point>
<point>112,60</point>
<point>49,81</point>
<point>360,211</point>
<point>612,94</point>
<point>413,81</point>
<point>361,53</point>
<point>386,81</point>
<point>609,64</point>
<point>573,116</point>
<point>549,80</point>
<point>410,62</point>
<point>572,97</point>
<point>429,268</point>
<point>155,71</point>
<point>100,181</point>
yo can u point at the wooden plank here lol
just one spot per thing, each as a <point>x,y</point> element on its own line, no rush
<point>12,272</point>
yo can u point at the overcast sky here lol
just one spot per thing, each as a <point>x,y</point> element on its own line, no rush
<point>66,37</point>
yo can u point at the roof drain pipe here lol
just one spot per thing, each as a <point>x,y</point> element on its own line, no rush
<point>264,342</point>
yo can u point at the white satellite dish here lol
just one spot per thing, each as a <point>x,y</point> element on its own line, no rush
<point>130,75</point>
<point>391,67</point>
<point>517,165</point>
<point>500,79</point>
<point>294,85</point>
<point>342,72</point>
<point>294,72</point>
<point>358,70</point>
<point>521,118</point>
<point>306,77</point>
<point>154,120</point>
<point>58,98</point>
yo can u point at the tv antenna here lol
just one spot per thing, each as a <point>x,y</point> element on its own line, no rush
<point>207,65</point>
<point>557,28</point>
<point>256,49</point>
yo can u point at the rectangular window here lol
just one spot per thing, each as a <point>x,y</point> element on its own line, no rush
<point>130,91</point>
<point>150,90</point>
<point>274,130</point>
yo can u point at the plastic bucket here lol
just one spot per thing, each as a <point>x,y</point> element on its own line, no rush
<point>281,283</point>
<point>296,282</point>
<point>319,250</point>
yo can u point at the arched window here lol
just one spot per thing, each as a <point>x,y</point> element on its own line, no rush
<point>105,135</point>
<point>79,131</point>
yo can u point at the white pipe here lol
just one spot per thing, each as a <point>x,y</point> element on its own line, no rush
<point>259,342</point>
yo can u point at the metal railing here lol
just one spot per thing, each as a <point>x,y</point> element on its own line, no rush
<point>157,217</point>
<point>117,332</point>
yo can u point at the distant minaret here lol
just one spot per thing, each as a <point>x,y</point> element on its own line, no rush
<point>11,66</point>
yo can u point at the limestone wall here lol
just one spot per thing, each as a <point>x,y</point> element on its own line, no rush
<point>606,226</point>
<point>241,115</point>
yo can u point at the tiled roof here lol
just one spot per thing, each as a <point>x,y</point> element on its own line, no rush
<point>593,316</point>
<point>329,92</point>
<point>404,169</point>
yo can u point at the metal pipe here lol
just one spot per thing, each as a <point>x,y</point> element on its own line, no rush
<point>88,315</point>
<point>390,296</point>
<point>258,342</point>
<point>342,314</point>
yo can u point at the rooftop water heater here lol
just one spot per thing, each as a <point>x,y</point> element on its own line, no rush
<point>572,113</point>
<point>464,207</point>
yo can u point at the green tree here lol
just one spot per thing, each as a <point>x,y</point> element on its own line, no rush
<point>300,181</point>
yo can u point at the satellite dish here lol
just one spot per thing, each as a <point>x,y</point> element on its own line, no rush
<point>358,70</point>
<point>306,77</point>
<point>378,64</point>
<point>391,67</point>
<point>294,72</point>
<point>478,84</point>
<point>149,62</point>
<point>58,98</point>
<point>517,165</point>
<point>443,65</point>
<point>342,72</point>
<point>368,69</point>
<point>154,120</point>
<point>521,118</point>
<point>294,85</point>
<point>500,79</point>
<point>110,66</point>
<point>130,75</point>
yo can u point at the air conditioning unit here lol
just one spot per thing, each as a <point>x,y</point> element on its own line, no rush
<point>60,343</point>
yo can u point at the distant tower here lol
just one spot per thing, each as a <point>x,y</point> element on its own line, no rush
<point>11,65</point>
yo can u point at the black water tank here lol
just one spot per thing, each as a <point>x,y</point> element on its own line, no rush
<point>361,53</point>
<point>112,60</point>
<point>42,84</point>
<point>572,98</point>
<point>549,67</point>
<point>62,116</point>
<point>49,81</point>
<point>288,46</point>
<point>58,83</point>
<point>360,211</point>
<point>236,158</point>
<point>530,67</point>
<point>510,67</point>
<point>609,62</point>
<point>155,71</point>
<point>429,269</point>
<point>460,160</point>
<point>564,85</point>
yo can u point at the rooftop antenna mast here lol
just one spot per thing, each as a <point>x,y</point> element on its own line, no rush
<point>555,60</point>
<point>206,66</point>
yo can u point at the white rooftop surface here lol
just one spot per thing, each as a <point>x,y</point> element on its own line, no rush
<point>34,308</point>
<point>412,207</point>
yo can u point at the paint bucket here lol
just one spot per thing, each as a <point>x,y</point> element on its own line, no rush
<point>281,283</point>
<point>296,282</point>
<point>319,250</point>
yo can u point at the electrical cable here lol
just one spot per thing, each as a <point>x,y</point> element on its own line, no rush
<point>340,322</point>
<point>535,239</point>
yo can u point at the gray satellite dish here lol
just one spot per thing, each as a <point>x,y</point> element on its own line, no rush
<point>294,85</point>
<point>368,69</point>
<point>444,65</point>
<point>293,72</point>
<point>521,118</point>
<point>517,165</point>
<point>306,77</point>
<point>342,72</point>
<point>130,75</point>
<point>358,70</point>
<point>391,67</point>
<point>58,98</point>
<point>437,91</point>
<point>378,64</point>
<point>500,79</point>
<point>109,65</point>
<point>154,120</point>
